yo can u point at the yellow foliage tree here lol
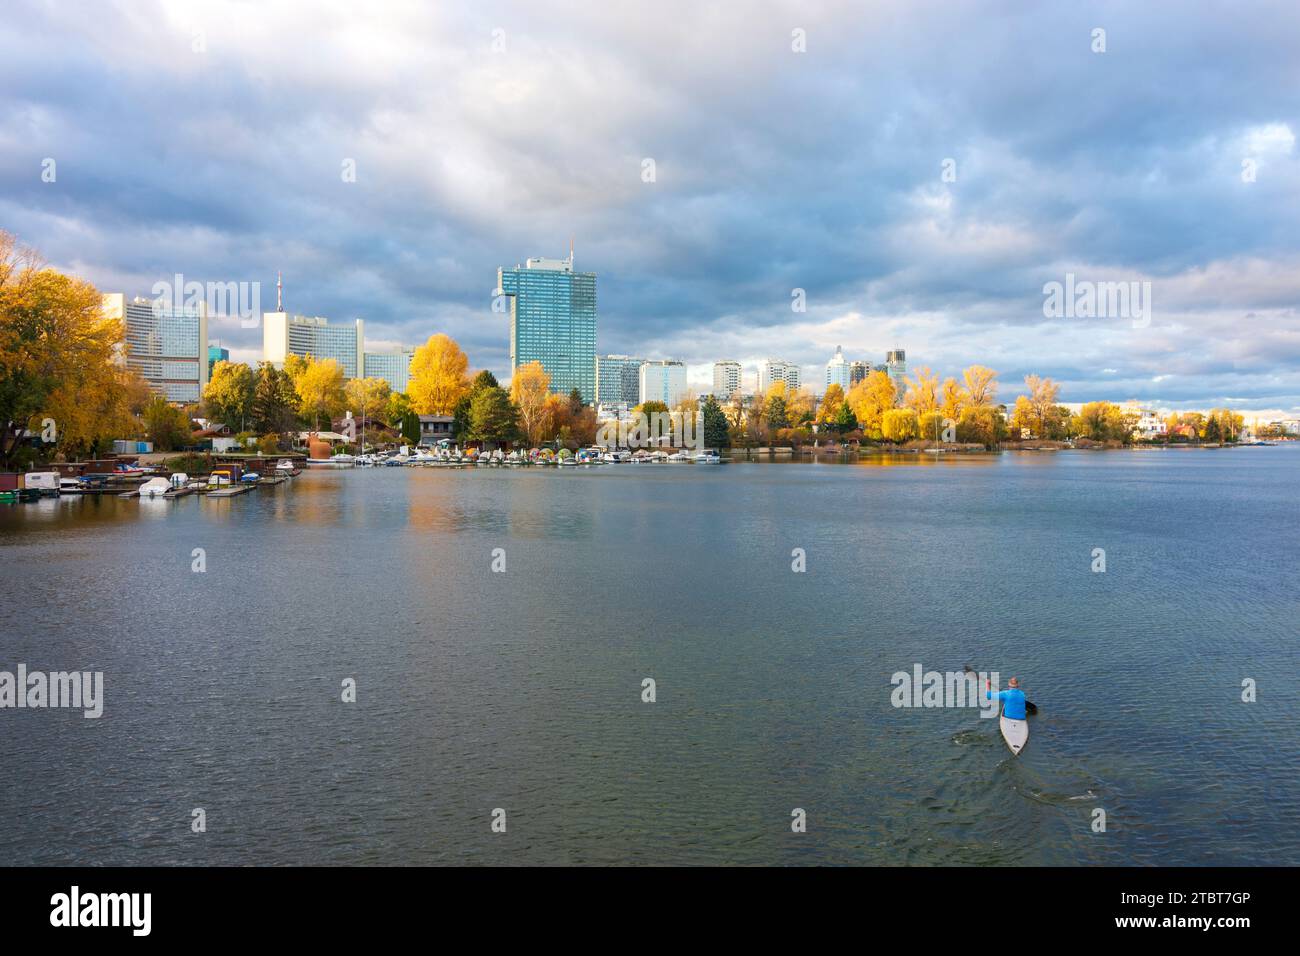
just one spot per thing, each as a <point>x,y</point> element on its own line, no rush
<point>529,387</point>
<point>922,392</point>
<point>58,359</point>
<point>320,389</point>
<point>870,399</point>
<point>981,385</point>
<point>439,376</point>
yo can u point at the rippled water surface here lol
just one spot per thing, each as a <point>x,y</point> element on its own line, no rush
<point>522,690</point>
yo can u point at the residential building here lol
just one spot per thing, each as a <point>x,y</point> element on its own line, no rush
<point>663,381</point>
<point>393,367</point>
<point>618,379</point>
<point>776,370</point>
<point>727,379</point>
<point>285,334</point>
<point>838,371</point>
<point>858,371</point>
<point>553,321</point>
<point>167,346</point>
<point>435,428</point>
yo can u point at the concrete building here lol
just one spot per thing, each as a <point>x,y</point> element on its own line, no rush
<point>858,371</point>
<point>393,367</point>
<point>727,379</point>
<point>663,381</point>
<point>285,334</point>
<point>618,379</point>
<point>553,321</point>
<point>167,346</point>
<point>777,370</point>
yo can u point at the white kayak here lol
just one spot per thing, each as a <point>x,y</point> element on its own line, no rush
<point>1014,732</point>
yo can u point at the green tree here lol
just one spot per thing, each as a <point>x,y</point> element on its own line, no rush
<point>275,401</point>
<point>166,426</point>
<point>493,418</point>
<point>776,413</point>
<point>411,427</point>
<point>845,421</point>
<point>717,434</point>
<point>230,394</point>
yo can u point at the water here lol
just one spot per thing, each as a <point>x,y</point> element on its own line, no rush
<point>522,690</point>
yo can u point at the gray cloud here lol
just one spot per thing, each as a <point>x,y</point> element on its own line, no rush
<point>776,170</point>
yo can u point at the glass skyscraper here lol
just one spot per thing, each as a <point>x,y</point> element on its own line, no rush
<point>618,379</point>
<point>553,321</point>
<point>392,367</point>
<point>168,347</point>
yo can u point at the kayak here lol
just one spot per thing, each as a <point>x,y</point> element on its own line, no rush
<point>1014,732</point>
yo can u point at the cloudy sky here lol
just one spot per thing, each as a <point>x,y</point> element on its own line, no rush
<point>920,170</point>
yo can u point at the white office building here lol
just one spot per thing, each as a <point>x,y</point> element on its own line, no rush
<point>838,371</point>
<point>663,381</point>
<point>167,346</point>
<point>776,370</point>
<point>284,334</point>
<point>727,379</point>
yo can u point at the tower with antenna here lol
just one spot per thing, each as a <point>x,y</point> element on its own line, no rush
<point>279,293</point>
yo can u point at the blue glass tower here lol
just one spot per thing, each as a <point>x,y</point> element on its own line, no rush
<point>553,321</point>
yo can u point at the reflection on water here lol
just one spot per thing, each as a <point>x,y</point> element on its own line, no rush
<point>523,689</point>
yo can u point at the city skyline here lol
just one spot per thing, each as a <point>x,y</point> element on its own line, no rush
<point>902,212</point>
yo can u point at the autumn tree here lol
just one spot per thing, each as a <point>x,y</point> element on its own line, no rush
<point>899,425</point>
<point>922,392</point>
<point>320,390</point>
<point>1041,400</point>
<point>368,397</point>
<point>952,399</point>
<point>870,399</point>
<point>58,352</point>
<point>439,376</point>
<point>529,388</point>
<point>981,385</point>
<point>831,403</point>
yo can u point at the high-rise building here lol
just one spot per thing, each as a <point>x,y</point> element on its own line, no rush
<point>663,381</point>
<point>284,334</point>
<point>216,354</point>
<point>618,379</point>
<point>553,321</point>
<point>393,367</point>
<point>837,370</point>
<point>727,379</point>
<point>896,366</point>
<point>167,346</point>
<point>858,371</point>
<point>776,370</point>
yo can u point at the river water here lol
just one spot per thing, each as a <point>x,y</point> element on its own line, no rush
<point>522,689</point>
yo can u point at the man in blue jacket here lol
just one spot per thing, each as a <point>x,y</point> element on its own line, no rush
<point>1013,698</point>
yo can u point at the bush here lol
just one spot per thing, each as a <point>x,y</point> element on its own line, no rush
<point>268,444</point>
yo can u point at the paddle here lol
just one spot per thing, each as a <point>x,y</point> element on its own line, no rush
<point>1030,706</point>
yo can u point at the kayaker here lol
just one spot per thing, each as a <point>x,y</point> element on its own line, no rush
<point>1013,698</point>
